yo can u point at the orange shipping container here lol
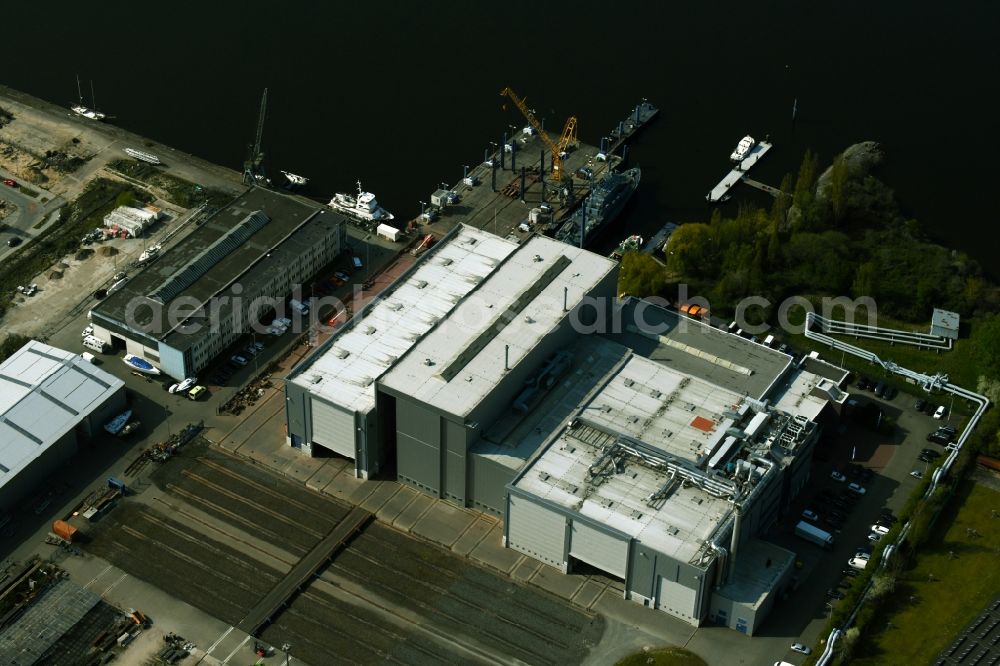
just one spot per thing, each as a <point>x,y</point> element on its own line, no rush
<point>63,530</point>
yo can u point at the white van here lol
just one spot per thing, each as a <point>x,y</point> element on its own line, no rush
<point>768,341</point>
<point>90,342</point>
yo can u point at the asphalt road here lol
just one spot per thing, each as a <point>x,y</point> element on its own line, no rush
<point>29,211</point>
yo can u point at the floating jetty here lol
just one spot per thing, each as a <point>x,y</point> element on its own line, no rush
<point>656,242</point>
<point>639,117</point>
<point>721,191</point>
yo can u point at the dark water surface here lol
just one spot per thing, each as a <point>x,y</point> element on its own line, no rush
<point>402,94</point>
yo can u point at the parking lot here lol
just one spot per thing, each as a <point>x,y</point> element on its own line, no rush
<point>218,532</point>
<point>862,475</point>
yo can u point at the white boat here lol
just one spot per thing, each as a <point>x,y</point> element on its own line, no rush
<point>144,157</point>
<point>149,253</point>
<point>363,207</point>
<point>295,179</point>
<point>184,385</point>
<point>81,110</point>
<point>743,148</point>
<point>142,365</point>
<point>115,425</point>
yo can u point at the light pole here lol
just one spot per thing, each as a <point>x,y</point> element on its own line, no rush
<point>368,257</point>
<point>286,647</point>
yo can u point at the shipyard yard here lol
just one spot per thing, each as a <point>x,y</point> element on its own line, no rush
<point>221,532</point>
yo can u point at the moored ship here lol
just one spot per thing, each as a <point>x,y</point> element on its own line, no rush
<point>362,207</point>
<point>631,244</point>
<point>604,203</point>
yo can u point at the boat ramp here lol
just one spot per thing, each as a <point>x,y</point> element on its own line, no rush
<point>721,191</point>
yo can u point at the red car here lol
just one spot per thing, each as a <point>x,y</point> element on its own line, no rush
<point>10,181</point>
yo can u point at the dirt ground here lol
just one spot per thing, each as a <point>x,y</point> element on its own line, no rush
<point>65,289</point>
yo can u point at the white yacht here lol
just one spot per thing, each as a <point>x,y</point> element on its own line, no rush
<point>81,110</point>
<point>363,206</point>
<point>743,148</point>
<point>295,179</point>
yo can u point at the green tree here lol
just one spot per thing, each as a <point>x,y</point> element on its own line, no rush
<point>11,344</point>
<point>779,209</point>
<point>986,346</point>
<point>865,279</point>
<point>126,198</point>
<point>838,187</point>
<point>807,178</point>
<point>641,275</point>
<point>690,250</point>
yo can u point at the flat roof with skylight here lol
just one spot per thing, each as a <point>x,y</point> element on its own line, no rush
<point>462,360</point>
<point>344,370</point>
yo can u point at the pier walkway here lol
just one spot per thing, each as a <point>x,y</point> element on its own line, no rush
<point>304,569</point>
<point>721,191</point>
<point>764,187</point>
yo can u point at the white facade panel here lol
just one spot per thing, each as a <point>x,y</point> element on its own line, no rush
<point>333,428</point>
<point>676,599</point>
<point>536,531</point>
<point>599,549</point>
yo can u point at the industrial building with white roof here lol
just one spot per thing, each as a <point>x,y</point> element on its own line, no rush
<point>614,434</point>
<point>50,400</point>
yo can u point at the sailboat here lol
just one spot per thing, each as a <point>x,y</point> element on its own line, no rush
<point>81,110</point>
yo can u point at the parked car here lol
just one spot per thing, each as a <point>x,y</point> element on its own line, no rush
<point>857,562</point>
<point>917,474</point>
<point>801,648</point>
<point>864,383</point>
<point>837,476</point>
<point>856,489</point>
<point>879,389</point>
<point>343,277</point>
<point>809,514</point>
<point>10,182</point>
<point>197,392</point>
<point>890,393</point>
<point>783,348</point>
<point>238,360</point>
<point>923,457</point>
<point>874,537</point>
<point>880,529</point>
<point>940,412</point>
<point>835,594</point>
<point>920,405</point>
<point>13,242</point>
<point>850,573</point>
<point>887,515</point>
<point>939,437</point>
<point>931,453</point>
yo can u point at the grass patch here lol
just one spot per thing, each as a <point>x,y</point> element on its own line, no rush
<point>671,656</point>
<point>176,190</point>
<point>955,576</point>
<point>959,364</point>
<point>27,191</point>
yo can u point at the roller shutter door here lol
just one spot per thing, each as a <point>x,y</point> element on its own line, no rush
<point>333,428</point>
<point>536,531</point>
<point>599,549</point>
<point>675,598</point>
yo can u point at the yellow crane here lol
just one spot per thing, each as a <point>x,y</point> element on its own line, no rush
<point>567,139</point>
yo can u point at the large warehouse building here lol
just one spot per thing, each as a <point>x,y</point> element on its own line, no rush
<point>50,400</point>
<point>223,275</point>
<point>614,434</point>
<point>475,308</point>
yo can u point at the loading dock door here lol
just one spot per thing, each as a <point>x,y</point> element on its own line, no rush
<point>599,549</point>
<point>333,428</point>
<point>537,531</point>
<point>676,598</point>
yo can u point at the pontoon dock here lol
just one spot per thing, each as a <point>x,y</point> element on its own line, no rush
<point>721,191</point>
